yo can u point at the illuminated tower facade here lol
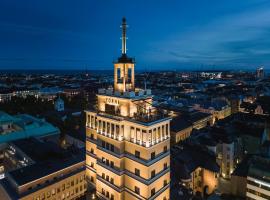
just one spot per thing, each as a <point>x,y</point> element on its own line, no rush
<point>128,140</point>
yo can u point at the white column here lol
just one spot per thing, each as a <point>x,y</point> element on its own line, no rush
<point>89,120</point>
<point>141,137</point>
<point>169,130</point>
<point>114,131</point>
<point>106,133</point>
<point>121,133</point>
<point>157,135</point>
<point>152,137</point>
<point>101,126</point>
<point>97,125</point>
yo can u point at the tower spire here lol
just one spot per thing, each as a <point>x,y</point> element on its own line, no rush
<point>124,37</point>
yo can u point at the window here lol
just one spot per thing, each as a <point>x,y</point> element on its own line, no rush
<point>112,181</point>
<point>165,149</point>
<point>107,194</point>
<point>137,190</point>
<point>153,173</point>
<point>153,155</point>
<point>103,175</point>
<point>112,164</point>
<point>165,166</point>
<point>102,191</point>
<point>112,148</point>
<point>112,197</point>
<point>107,178</point>
<point>137,154</point>
<point>153,191</point>
<point>137,172</point>
<point>165,183</point>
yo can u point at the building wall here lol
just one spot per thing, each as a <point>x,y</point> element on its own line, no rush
<point>181,135</point>
<point>227,159</point>
<point>210,180</point>
<point>72,187</point>
<point>118,159</point>
<point>239,186</point>
<point>257,189</point>
<point>69,188</point>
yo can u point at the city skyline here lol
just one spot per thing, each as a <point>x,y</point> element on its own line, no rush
<point>176,35</point>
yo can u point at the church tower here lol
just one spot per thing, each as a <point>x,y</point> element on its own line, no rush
<point>127,139</point>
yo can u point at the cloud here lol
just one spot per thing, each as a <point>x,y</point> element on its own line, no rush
<point>237,39</point>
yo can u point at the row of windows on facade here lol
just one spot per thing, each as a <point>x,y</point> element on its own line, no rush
<point>153,190</point>
<point>153,172</point>
<point>136,171</point>
<point>64,195</point>
<point>267,188</point>
<point>136,190</point>
<point>68,184</point>
<point>258,194</point>
<point>137,154</point>
<point>107,194</point>
<point>110,147</point>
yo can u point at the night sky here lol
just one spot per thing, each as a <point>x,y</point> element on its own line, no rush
<point>167,34</point>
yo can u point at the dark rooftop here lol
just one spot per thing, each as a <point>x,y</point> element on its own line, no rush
<point>48,157</point>
<point>125,59</point>
<point>190,157</point>
<point>242,168</point>
<point>185,120</point>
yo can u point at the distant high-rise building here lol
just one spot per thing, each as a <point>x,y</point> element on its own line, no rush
<point>128,140</point>
<point>260,72</point>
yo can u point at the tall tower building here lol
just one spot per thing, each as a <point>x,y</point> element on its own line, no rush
<point>128,140</point>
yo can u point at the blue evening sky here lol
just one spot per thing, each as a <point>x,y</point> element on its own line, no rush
<point>162,34</point>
